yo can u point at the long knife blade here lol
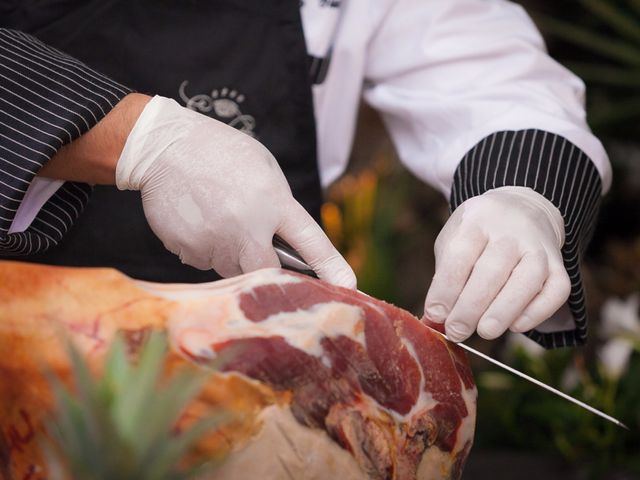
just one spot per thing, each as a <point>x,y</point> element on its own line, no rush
<point>292,260</point>
<point>537,382</point>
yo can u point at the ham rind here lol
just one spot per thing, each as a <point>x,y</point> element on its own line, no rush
<point>324,381</point>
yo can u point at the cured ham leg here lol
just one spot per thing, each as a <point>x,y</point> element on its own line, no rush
<point>322,382</point>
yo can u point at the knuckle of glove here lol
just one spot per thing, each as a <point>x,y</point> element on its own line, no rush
<point>458,331</point>
<point>508,244</point>
<point>461,252</point>
<point>537,271</point>
<point>563,288</point>
<point>478,303</point>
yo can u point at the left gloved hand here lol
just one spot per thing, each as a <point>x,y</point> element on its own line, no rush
<point>498,265</point>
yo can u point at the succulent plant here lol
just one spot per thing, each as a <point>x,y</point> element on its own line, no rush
<point>122,425</point>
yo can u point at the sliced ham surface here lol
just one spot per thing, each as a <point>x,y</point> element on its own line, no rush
<point>321,381</point>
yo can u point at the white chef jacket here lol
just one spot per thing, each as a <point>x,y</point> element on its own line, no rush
<point>444,74</point>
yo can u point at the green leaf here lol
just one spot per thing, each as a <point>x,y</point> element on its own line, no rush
<point>606,75</point>
<point>122,425</point>
<point>616,18</point>
<point>635,5</point>
<point>69,426</point>
<point>622,111</point>
<point>117,369</point>
<point>495,380</point>
<point>163,410</point>
<point>139,386</point>
<point>162,460</point>
<point>595,42</point>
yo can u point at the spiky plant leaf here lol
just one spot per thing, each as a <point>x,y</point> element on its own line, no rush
<point>615,17</point>
<point>603,44</point>
<point>614,113</point>
<point>122,425</point>
<point>138,383</point>
<point>603,74</point>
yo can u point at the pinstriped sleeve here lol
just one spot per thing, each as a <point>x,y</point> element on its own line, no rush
<point>47,99</point>
<point>562,173</point>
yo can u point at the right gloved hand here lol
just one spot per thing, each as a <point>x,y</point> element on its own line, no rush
<point>215,196</point>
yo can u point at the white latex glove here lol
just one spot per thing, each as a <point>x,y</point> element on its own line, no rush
<point>498,265</point>
<point>215,196</point>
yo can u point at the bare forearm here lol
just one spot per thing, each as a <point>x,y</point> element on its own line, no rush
<point>92,158</point>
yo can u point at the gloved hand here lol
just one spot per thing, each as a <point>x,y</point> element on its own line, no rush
<point>498,265</point>
<point>215,196</point>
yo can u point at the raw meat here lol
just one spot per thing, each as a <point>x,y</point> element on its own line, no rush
<point>324,381</point>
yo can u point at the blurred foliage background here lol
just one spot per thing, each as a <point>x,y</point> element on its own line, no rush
<point>385,221</point>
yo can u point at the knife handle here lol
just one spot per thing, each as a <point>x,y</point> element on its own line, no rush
<point>290,259</point>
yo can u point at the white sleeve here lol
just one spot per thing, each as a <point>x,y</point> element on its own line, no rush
<point>473,102</point>
<point>38,193</point>
<point>447,73</point>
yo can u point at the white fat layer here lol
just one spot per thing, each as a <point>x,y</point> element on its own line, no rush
<point>198,323</point>
<point>285,449</point>
<point>434,464</point>
<point>234,285</point>
<point>468,425</point>
<point>437,464</point>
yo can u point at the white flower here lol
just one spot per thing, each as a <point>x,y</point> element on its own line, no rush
<point>618,318</point>
<point>571,378</point>
<point>614,357</point>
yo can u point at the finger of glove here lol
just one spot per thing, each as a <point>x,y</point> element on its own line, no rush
<point>254,256</point>
<point>489,275</point>
<point>553,295</point>
<point>454,263</point>
<point>524,284</point>
<point>305,235</point>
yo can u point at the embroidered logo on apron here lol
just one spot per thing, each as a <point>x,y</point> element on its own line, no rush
<point>222,104</point>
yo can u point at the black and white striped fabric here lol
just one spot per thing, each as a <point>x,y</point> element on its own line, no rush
<point>562,173</point>
<point>47,99</point>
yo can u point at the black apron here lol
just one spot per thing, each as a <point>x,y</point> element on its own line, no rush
<point>243,62</point>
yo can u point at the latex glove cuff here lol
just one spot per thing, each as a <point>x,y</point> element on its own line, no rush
<point>148,139</point>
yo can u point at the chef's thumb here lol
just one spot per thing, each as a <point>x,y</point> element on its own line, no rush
<point>302,232</point>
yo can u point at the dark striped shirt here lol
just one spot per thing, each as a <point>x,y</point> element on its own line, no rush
<point>47,99</point>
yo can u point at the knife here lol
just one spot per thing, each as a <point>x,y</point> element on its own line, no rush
<point>537,382</point>
<point>291,260</point>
